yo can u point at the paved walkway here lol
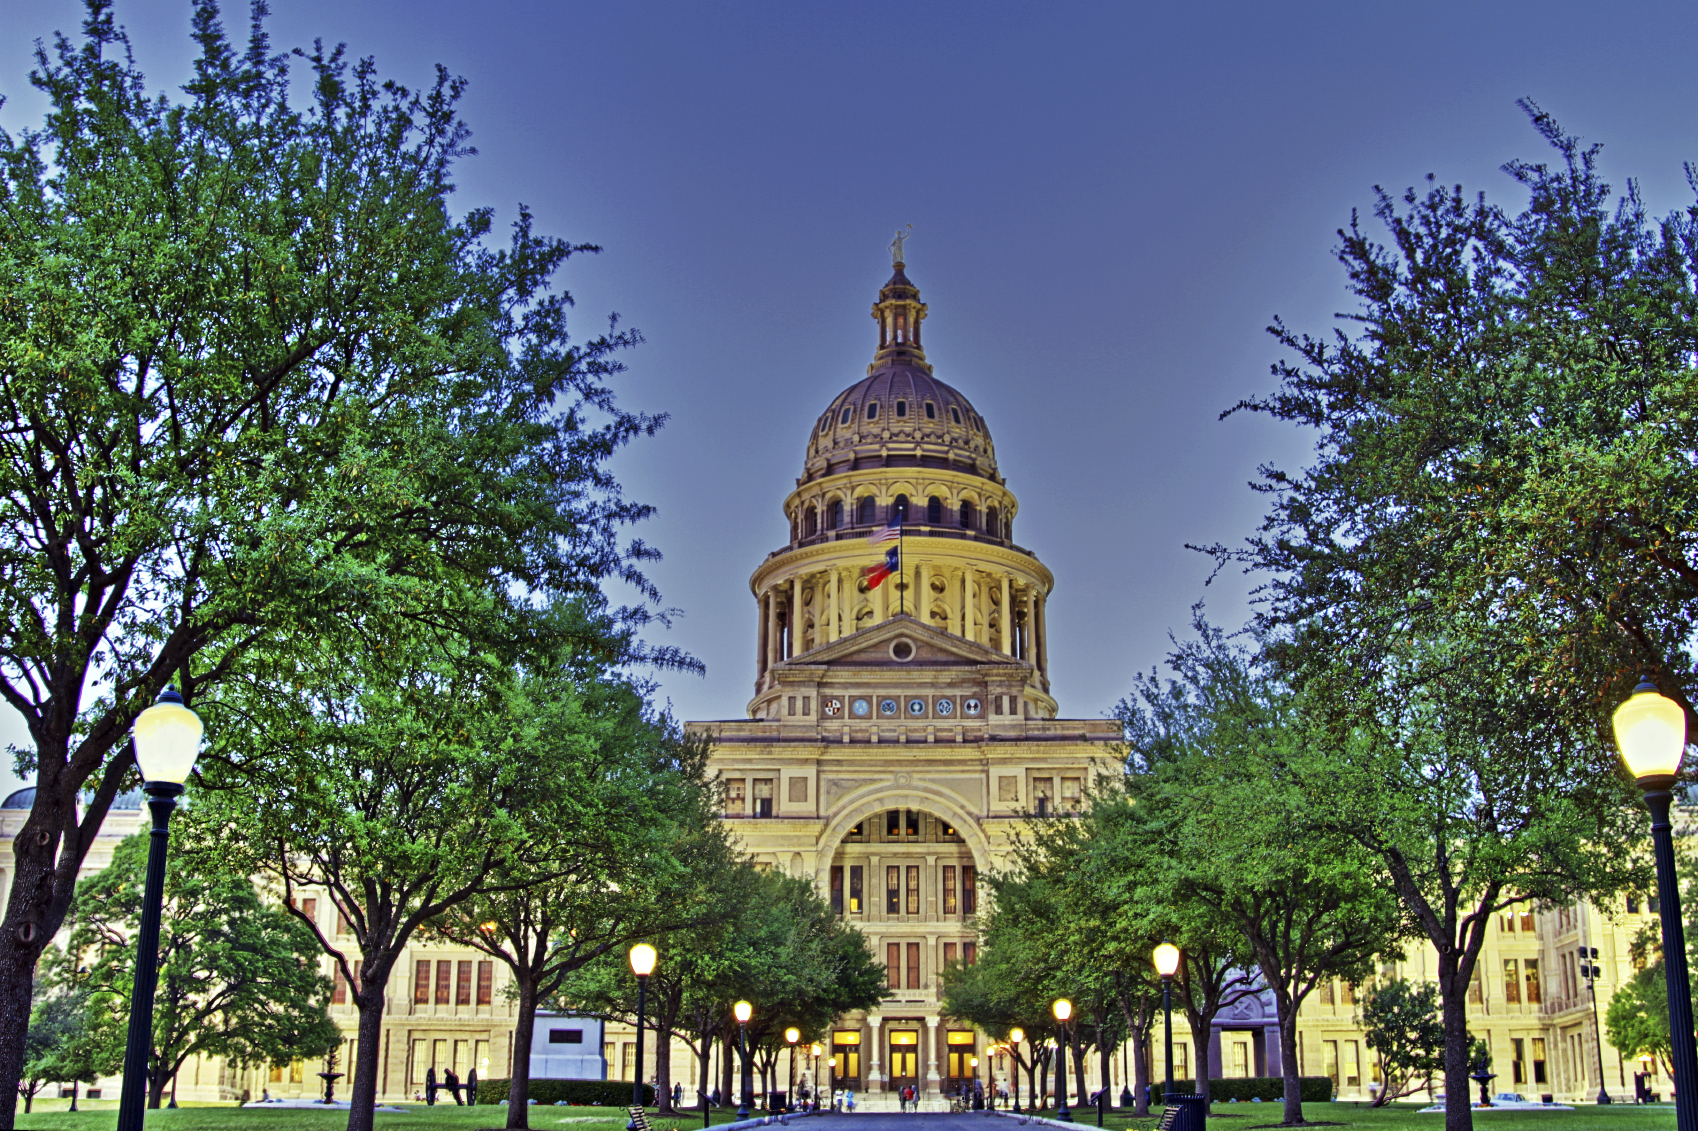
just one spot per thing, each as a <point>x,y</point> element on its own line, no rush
<point>916,1121</point>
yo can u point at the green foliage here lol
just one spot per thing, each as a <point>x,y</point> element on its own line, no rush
<point>611,1093</point>
<point>263,390</point>
<point>74,1034</point>
<point>1401,1024</point>
<point>1637,1021</point>
<point>238,978</point>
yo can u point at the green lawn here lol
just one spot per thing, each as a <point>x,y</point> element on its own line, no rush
<point>1408,1117</point>
<point>51,1116</point>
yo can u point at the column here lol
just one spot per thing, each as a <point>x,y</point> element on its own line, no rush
<point>760,637</point>
<point>831,622</point>
<point>798,641</point>
<point>771,628</point>
<point>922,590</point>
<point>875,880</point>
<point>1043,639</point>
<point>1030,652</point>
<point>931,1053</point>
<point>955,605</point>
<point>967,601</point>
<point>1007,620</point>
<point>875,1062</point>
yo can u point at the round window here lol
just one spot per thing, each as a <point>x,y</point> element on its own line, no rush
<point>945,707</point>
<point>860,707</point>
<point>972,706</point>
<point>916,706</point>
<point>887,706</point>
<point>902,651</point>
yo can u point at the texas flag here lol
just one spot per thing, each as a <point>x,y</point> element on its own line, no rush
<point>875,574</point>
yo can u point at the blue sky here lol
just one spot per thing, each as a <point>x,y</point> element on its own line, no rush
<point>1110,203</point>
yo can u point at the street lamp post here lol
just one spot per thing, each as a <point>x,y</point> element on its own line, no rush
<point>1650,729</point>
<point>791,1036</point>
<point>166,738</point>
<point>642,965</point>
<point>1063,1009</point>
<point>1167,965</point>
<point>814,1077</point>
<point>1590,972</point>
<point>743,1011</point>
<point>1015,1036</point>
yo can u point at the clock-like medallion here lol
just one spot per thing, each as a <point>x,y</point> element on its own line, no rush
<point>861,707</point>
<point>887,706</point>
<point>945,707</point>
<point>916,706</point>
<point>972,706</point>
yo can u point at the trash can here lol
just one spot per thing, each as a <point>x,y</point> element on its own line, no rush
<point>1184,1112</point>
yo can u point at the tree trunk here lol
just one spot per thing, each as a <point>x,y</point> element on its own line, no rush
<point>157,1078</point>
<point>17,986</point>
<point>1141,1071</point>
<point>362,1089</point>
<point>1200,1061</point>
<point>1288,1059</point>
<point>707,1068</point>
<point>726,1056</point>
<point>1079,1070</point>
<point>1108,1083</point>
<point>663,1069</point>
<point>519,1071</point>
<point>1458,1115</point>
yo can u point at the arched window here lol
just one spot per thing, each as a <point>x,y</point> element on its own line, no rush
<point>901,408</point>
<point>825,423</point>
<point>872,410</point>
<point>990,522</point>
<point>931,411</point>
<point>955,414</point>
<point>899,512</point>
<point>865,518</point>
<point>811,526</point>
<point>966,516</point>
<point>834,514</point>
<point>934,511</point>
<point>847,412</point>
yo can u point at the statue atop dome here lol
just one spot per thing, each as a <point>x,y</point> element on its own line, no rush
<point>896,246</point>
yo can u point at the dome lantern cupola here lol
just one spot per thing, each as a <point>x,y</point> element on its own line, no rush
<point>899,313</point>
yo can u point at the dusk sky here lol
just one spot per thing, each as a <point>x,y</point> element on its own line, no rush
<point>1110,202</point>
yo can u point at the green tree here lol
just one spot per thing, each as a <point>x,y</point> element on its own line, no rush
<point>1212,750</point>
<point>1637,1020</point>
<point>260,387</point>
<point>73,1037</point>
<point>1402,1026</point>
<point>238,979</point>
<point>1495,538</point>
<point>623,841</point>
<point>1003,991</point>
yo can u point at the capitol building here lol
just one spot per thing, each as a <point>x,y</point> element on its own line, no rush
<point>896,739</point>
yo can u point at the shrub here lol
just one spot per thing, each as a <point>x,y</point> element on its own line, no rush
<point>582,1093</point>
<point>1310,1089</point>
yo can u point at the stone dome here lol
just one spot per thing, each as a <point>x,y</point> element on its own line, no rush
<point>900,414</point>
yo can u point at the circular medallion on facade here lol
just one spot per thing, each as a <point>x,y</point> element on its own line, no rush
<point>902,651</point>
<point>904,779</point>
<point>945,707</point>
<point>860,707</point>
<point>972,706</point>
<point>887,706</point>
<point>916,706</point>
<point>832,708</point>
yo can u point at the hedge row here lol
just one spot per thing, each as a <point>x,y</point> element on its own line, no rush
<point>579,1093</point>
<point>1311,1089</point>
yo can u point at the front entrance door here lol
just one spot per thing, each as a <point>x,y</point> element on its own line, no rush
<point>904,1058</point>
<point>962,1052</point>
<point>846,1060</point>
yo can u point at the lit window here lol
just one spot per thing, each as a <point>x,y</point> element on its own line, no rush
<point>949,899</point>
<point>892,890</point>
<point>855,887</point>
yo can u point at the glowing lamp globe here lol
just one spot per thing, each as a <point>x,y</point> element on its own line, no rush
<point>816,1050</point>
<point>1650,729</point>
<point>792,1035</point>
<point>1016,1035</point>
<point>1063,1009</point>
<point>742,1011</point>
<point>1167,960</point>
<point>642,959</point>
<point>167,739</point>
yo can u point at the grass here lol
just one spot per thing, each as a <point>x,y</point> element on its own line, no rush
<point>50,1116</point>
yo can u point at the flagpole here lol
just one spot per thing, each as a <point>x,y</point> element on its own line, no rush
<point>901,568</point>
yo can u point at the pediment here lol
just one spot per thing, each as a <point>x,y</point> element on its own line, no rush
<point>933,647</point>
